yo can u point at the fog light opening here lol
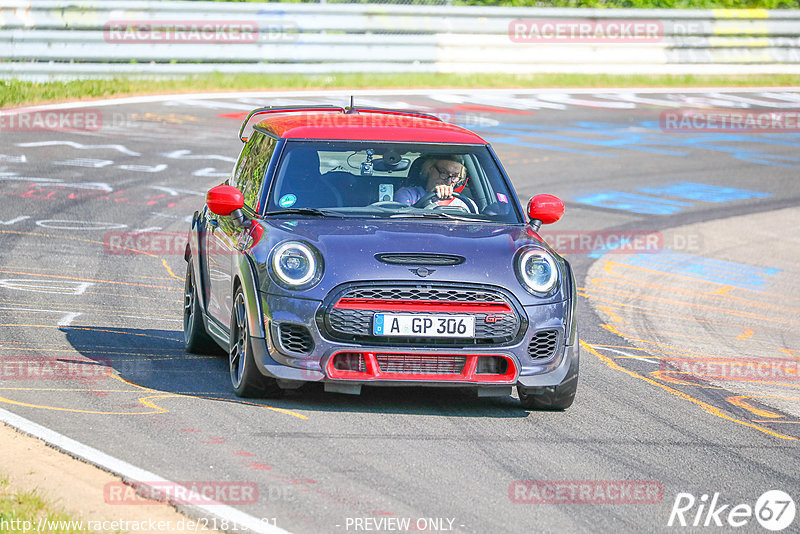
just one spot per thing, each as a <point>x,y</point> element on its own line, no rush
<point>492,365</point>
<point>350,361</point>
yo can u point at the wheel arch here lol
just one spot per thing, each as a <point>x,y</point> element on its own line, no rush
<point>245,277</point>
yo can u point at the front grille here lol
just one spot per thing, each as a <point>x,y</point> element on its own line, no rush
<point>418,364</point>
<point>349,315</point>
<point>359,322</point>
<point>295,338</point>
<point>543,345</point>
<point>423,293</point>
<point>420,259</point>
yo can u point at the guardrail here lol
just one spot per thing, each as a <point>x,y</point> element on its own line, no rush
<point>63,39</point>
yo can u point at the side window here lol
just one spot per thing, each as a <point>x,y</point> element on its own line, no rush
<point>253,167</point>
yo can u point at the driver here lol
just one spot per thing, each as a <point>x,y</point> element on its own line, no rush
<point>440,174</point>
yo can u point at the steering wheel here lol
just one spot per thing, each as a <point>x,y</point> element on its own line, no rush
<point>427,200</point>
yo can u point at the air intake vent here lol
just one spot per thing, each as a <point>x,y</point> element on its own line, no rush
<point>295,338</point>
<point>420,259</point>
<point>543,345</point>
<point>420,364</point>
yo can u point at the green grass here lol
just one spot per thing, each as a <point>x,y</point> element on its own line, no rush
<point>18,507</point>
<point>15,92</point>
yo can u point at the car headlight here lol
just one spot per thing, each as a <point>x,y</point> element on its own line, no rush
<point>537,269</point>
<point>295,265</point>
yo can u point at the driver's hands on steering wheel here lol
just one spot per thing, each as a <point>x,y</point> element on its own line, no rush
<point>444,191</point>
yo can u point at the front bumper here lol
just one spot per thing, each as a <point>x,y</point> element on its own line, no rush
<point>275,360</point>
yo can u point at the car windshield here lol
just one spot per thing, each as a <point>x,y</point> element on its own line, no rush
<point>397,180</point>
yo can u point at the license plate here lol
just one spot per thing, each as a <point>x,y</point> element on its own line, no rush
<point>398,324</point>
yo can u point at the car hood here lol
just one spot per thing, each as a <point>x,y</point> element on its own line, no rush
<point>349,246</point>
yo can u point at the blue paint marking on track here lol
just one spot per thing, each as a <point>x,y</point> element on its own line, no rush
<point>704,192</point>
<point>702,268</point>
<point>617,200</point>
<point>516,141</point>
<point>629,142</point>
<point>647,136</point>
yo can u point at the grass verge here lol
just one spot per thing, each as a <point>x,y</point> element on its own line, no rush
<point>16,92</point>
<point>23,512</point>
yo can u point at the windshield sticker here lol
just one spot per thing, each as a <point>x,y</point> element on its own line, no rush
<point>287,201</point>
<point>502,198</point>
<point>385,192</point>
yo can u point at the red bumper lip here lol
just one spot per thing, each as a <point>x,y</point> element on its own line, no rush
<point>468,374</point>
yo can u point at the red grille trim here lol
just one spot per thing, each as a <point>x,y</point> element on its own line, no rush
<point>422,306</point>
<point>468,374</point>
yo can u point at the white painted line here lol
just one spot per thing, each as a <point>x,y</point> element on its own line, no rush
<point>79,146</point>
<point>64,321</point>
<point>344,93</point>
<point>130,472</point>
<point>150,318</point>
<point>632,356</point>
<point>67,319</point>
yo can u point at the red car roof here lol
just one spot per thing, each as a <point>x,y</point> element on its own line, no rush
<point>367,127</point>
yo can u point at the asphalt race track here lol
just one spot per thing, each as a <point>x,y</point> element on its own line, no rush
<point>684,240</point>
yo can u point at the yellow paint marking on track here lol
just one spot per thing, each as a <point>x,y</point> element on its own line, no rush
<point>664,377</point>
<point>741,402</point>
<point>646,310</point>
<point>686,303</point>
<point>722,290</point>
<point>117,377</point>
<point>616,331</point>
<point>705,406</point>
<point>747,334</point>
<point>159,410</point>
<point>777,422</point>
<point>239,401</point>
<point>72,238</point>
<point>790,352</point>
<point>609,264</point>
<point>70,389</point>
<point>732,379</point>
<point>173,275</point>
<point>87,279</point>
<point>683,304</point>
<point>39,268</point>
<point>613,316</point>
<point>93,329</point>
<point>84,308</point>
<point>273,408</point>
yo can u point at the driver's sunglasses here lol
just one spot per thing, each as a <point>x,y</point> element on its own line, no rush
<point>450,177</point>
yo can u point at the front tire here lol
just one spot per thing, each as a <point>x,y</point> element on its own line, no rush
<point>551,398</point>
<point>246,379</point>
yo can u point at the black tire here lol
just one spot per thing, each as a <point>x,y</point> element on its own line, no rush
<point>195,338</point>
<point>246,379</point>
<point>551,398</point>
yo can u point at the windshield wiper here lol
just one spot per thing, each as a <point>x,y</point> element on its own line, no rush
<point>431,215</point>
<point>305,211</point>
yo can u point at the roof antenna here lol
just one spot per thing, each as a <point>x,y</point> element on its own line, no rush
<point>352,108</point>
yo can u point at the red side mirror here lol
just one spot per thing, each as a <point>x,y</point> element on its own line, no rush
<point>545,208</point>
<point>224,199</point>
